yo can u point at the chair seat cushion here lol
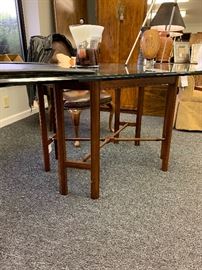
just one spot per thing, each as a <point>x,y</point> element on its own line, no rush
<point>74,99</point>
<point>194,96</point>
<point>189,116</point>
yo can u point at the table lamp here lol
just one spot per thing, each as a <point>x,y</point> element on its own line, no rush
<point>167,19</point>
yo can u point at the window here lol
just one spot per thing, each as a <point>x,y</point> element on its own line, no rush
<point>12,31</point>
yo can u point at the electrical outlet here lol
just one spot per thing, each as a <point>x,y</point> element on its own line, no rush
<point>50,148</point>
<point>6,102</point>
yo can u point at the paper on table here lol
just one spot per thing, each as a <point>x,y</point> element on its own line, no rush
<point>86,33</point>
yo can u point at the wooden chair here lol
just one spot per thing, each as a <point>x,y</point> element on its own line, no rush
<point>77,100</point>
<point>58,50</point>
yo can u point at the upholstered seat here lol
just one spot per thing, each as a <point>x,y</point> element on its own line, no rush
<point>57,49</point>
<point>189,107</point>
<point>81,99</point>
<point>74,100</point>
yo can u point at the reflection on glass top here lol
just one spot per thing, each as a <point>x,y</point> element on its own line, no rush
<point>158,68</point>
<point>104,71</point>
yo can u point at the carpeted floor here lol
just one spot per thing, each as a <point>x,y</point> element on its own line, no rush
<point>145,219</point>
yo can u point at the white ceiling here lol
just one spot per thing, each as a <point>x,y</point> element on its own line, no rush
<point>193,14</point>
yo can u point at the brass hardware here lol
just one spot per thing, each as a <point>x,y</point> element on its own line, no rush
<point>121,11</point>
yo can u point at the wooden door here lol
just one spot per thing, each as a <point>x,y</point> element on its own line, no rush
<point>68,12</point>
<point>122,20</point>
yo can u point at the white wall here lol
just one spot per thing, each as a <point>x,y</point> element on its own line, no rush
<point>38,17</point>
<point>193,28</point>
<point>31,18</point>
<point>18,105</point>
<point>46,17</point>
<point>38,21</point>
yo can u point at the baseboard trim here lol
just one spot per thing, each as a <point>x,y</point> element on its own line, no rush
<point>16,117</point>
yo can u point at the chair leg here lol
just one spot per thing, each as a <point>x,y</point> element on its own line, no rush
<point>75,114</point>
<point>139,113</point>
<point>111,114</point>
<point>51,112</point>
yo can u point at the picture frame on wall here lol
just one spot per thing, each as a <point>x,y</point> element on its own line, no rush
<point>196,50</point>
<point>177,67</point>
<point>181,52</point>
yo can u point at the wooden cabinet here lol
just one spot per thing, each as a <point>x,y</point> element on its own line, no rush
<point>122,20</point>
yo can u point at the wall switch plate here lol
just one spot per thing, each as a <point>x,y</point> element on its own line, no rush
<point>6,102</point>
<point>50,148</point>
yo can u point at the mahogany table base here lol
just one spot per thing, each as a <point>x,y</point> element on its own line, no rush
<point>113,76</point>
<point>94,163</point>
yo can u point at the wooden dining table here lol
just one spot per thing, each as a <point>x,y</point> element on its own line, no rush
<point>116,76</point>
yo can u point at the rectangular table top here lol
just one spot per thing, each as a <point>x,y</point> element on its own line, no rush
<point>25,73</point>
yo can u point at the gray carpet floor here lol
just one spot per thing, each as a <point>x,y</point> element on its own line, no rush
<point>145,219</point>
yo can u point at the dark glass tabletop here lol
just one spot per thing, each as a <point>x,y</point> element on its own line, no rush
<point>39,72</point>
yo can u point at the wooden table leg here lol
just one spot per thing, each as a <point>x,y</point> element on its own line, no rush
<point>139,114</point>
<point>95,139</point>
<point>117,111</point>
<point>168,125</point>
<point>52,123</point>
<point>43,128</point>
<point>60,136</point>
<point>166,117</point>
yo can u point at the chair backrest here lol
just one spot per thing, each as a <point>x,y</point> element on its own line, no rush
<point>186,93</point>
<point>198,80</point>
<point>44,49</point>
<point>41,49</point>
<point>61,39</point>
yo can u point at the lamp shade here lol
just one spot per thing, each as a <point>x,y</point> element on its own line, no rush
<point>168,18</point>
<point>176,34</point>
